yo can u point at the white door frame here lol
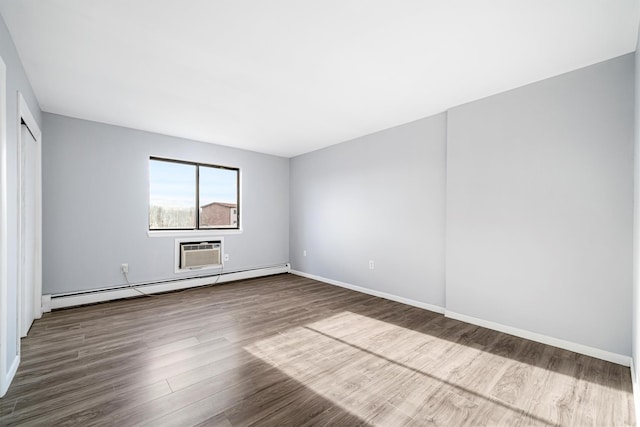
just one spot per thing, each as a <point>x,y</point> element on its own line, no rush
<point>8,367</point>
<point>25,115</point>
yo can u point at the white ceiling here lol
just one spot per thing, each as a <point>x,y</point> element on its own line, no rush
<point>290,76</point>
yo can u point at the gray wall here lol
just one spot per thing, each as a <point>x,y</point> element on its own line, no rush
<point>540,207</point>
<point>16,82</point>
<point>379,197</point>
<point>95,205</point>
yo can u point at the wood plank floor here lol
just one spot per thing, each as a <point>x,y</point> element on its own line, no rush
<point>286,350</point>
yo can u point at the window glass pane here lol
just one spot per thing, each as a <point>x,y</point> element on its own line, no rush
<point>172,195</point>
<point>218,197</point>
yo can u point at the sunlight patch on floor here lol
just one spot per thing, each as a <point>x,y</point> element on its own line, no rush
<point>367,366</point>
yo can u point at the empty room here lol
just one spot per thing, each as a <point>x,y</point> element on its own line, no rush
<point>319,213</point>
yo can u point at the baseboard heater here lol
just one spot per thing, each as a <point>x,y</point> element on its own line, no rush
<point>53,302</point>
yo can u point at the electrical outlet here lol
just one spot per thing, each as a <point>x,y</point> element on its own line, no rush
<point>124,268</point>
<point>304,253</point>
<point>371,265</point>
<point>226,257</point>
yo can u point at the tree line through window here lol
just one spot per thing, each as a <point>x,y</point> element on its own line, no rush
<point>190,196</point>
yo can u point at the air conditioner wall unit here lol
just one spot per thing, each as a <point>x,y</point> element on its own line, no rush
<point>192,255</point>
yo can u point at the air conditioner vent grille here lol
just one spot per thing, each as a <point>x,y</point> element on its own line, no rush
<point>199,255</point>
<point>200,246</point>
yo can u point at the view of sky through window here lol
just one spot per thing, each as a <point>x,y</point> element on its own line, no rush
<point>218,185</point>
<point>172,185</point>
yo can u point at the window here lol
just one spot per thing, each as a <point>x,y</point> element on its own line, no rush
<point>192,196</point>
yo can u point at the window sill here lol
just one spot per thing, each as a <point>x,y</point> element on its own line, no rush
<point>192,233</point>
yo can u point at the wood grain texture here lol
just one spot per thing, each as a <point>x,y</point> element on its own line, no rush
<point>286,350</point>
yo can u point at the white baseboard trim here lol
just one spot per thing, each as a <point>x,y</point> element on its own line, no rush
<point>66,300</point>
<point>636,391</point>
<point>46,303</point>
<point>6,381</point>
<point>367,291</point>
<point>544,339</point>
